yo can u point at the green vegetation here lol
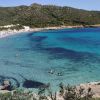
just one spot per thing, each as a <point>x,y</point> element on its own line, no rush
<point>17,27</point>
<point>37,15</point>
<point>17,95</point>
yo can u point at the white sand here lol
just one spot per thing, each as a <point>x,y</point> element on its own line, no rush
<point>9,32</point>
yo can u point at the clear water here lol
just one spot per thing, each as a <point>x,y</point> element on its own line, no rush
<point>75,53</point>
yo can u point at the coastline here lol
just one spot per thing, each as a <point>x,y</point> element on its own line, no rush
<point>5,33</point>
<point>95,90</point>
<point>9,32</point>
<point>95,87</point>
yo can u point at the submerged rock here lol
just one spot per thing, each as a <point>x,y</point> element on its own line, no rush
<point>34,84</point>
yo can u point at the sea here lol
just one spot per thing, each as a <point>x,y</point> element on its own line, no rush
<point>70,56</point>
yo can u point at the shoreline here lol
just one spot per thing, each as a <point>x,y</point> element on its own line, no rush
<point>5,33</point>
<point>95,89</point>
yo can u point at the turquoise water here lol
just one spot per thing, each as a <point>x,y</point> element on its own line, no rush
<point>75,53</point>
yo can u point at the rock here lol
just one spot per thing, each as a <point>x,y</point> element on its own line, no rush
<point>6,85</point>
<point>33,84</point>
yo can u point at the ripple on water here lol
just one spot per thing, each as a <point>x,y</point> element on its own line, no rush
<point>72,54</point>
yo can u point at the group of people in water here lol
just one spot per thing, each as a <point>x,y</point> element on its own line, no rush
<point>54,72</point>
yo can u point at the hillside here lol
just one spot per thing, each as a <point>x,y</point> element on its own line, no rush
<point>37,15</point>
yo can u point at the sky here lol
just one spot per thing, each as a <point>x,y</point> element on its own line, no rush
<point>81,4</point>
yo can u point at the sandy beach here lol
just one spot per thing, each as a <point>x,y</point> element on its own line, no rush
<point>5,33</point>
<point>9,32</point>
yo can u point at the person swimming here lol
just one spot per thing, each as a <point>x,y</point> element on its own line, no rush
<point>51,71</point>
<point>17,55</point>
<point>59,74</point>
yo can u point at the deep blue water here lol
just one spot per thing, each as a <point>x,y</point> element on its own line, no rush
<point>75,53</point>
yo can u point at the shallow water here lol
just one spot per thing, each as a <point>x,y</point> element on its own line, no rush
<point>75,53</point>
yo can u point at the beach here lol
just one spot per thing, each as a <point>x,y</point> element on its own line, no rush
<point>8,32</point>
<point>5,33</point>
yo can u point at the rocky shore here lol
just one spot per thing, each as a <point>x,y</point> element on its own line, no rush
<point>95,87</point>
